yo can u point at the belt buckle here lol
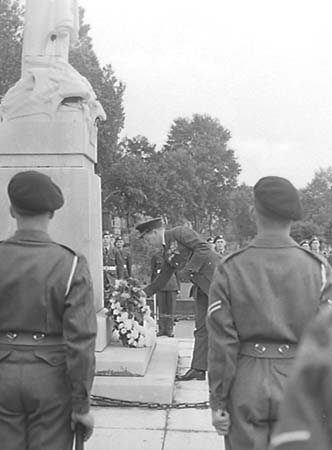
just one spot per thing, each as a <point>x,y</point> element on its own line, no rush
<point>11,336</point>
<point>260,348</point>
<point>38,336</point>
<point>283,348</point>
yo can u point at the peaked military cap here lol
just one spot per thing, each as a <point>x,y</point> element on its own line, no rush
<point>34,192</point>
<point>277,195</point>
<point>149,225</point>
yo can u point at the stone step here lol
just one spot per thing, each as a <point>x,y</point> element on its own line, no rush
<point>117,360</point>
<point>157,385</point>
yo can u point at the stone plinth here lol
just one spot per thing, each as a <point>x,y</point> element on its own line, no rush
<point>117,360</point>
<point>157,385</point>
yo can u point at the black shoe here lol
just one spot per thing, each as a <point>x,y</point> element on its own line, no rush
<point>161,333</point>
<point>170,335</point>
<point>192,374</point>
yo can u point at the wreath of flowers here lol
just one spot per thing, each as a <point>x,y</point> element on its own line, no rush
<point>126,304</point>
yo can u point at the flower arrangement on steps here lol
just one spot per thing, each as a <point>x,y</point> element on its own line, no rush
<point>126,304</point>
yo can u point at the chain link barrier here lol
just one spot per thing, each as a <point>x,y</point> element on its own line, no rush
<point>100,401</point>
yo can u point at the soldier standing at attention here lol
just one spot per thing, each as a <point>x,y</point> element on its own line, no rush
<point>47,326</point>
<point>261,299</point>
<point>113,262</point>
<point>185,249</point>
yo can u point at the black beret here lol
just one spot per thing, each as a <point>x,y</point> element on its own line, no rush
<point>34,192</point>
<point>279,197</point>
<point>149,225</point>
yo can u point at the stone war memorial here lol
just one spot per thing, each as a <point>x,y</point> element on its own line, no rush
<point>48,122</point>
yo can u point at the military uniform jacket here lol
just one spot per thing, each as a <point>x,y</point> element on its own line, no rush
<point>157,262</point>
<point>267,292</point>
<point>306,413</point>
<point>184,248</point>
<point>47,288</point>
<point>113,262</point>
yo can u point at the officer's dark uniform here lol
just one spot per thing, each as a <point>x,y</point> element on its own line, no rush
<point>305,419</point>
<point>166,297</point>
<point>184,248</point>
<point>261,299</point>
<point>47,328</point>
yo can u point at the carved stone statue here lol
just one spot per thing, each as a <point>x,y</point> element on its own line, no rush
<point>49,84</point>
<point>50,25</point>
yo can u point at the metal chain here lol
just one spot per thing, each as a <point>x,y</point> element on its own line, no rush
<point>97,400</point>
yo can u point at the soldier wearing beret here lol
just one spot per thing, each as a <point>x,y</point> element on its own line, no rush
<point>47,325</point>
<point>306,412</point>
<point>261,299</point>
<point>185,249</point>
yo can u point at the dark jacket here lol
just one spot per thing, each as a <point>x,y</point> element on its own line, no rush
<point>305,419</point>
<point>42,290</point>
<point>157,262</point>
<point>267,292</point>
<point>184,248</point>
<point>113,262</point>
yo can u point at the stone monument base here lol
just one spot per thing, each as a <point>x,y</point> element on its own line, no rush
<point>117,360</point>
<point>157,384</point>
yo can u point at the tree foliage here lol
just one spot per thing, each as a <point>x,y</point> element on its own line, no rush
<point>11,28</point>
<point>242,226</point>
<point>198,172</point>
<point>317,201</point>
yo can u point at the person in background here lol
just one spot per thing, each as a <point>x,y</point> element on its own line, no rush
<point>305,244</point>
<point>210,241</point>
<point>112,261</point>
<point>220,245</point>
<point>47,325</point>
<point>185,249</point>
<point>166,297</point>
<point>261,300</point>
<point>305,417</point>
<point>126,257</point>
<point>314,245</point>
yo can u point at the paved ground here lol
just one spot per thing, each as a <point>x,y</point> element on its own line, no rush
<point>175,429</point>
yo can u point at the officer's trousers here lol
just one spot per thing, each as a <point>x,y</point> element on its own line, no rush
<point>199,359</point>
<point>166,301</point>
<point>35,398</point>
<point>254,401</point>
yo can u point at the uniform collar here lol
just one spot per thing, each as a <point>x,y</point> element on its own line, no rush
<point>272,240</point>
<point>32,235</point>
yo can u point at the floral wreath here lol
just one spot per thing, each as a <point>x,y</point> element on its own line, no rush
<point>126,304</point>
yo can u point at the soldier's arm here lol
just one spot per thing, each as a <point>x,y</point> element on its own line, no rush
<point>307,396</point>
<point>79,330</point>
<point>192,240</point>
<point>223,341</point>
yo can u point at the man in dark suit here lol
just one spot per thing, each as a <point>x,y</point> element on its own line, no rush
<point>166,297</point>
<point>185,249</point>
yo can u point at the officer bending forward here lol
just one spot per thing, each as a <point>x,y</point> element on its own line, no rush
<point>261,299</point>
<point>47,326</point>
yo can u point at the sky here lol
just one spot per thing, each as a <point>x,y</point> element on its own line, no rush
<point>262,67</point>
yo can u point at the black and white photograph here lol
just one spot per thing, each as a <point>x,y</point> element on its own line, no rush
<point>166,226</point>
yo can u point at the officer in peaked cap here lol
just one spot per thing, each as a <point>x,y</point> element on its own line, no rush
<point>185,249</point>
<point>47,325</point>
<point>261,299</point>
<point>149,225</point>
